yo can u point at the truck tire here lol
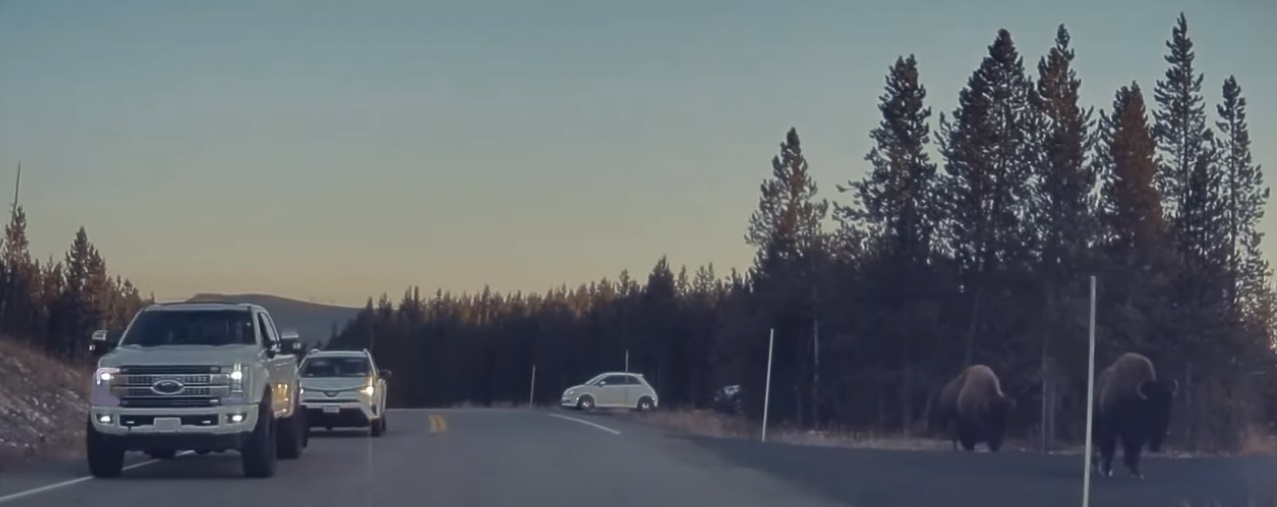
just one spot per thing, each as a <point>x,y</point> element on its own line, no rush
<point>378,426</point>
<point>290,440</point>
<point>106,460</point>
<point>258,453</point>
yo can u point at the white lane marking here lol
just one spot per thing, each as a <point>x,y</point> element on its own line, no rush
<point>583,421</point>
<point>63,484</point>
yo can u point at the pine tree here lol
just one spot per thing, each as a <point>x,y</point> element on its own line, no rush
<point>1063,207</point>
<point>787,222</point>
<point>1245,195</point>
<point>896,200</point>
<point>1131,206</point>
<point>20,280</point>
<point>1135,233</point>
<point>1188,179</point>
<point>1063,195</point>
<point>989,155</point>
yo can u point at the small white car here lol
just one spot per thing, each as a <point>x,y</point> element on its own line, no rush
<point>612,390</point>
<point>344,389</point>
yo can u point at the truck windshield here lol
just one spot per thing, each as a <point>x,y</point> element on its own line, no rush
<point>335,367</point>
<point>182,327</point>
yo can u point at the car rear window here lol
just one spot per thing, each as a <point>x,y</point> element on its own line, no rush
<point>335,367</point>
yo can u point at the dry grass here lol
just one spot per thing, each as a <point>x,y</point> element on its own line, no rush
<point>43,405</point>
<point>712,424</point>
<point>1256,441</point>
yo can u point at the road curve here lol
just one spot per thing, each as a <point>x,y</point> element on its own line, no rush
<point>520,458</point>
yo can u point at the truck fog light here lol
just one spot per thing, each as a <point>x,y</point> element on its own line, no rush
<point>236,418</point>
<point>104,418</point>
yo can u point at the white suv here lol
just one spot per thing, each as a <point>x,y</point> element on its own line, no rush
<point>612,390</point>
<point>344,389</point>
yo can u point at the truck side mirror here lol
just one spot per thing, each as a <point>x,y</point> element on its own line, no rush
<point>290,342</point>
<point>101,343</point>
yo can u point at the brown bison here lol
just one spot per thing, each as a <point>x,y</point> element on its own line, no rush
<point>1133,406</point>
<point>947,407</point>
<point>977,408</point>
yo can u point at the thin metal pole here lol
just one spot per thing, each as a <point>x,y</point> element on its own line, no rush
<point>767,390</point>
<point>533,390</point>
<point>1090,404</point>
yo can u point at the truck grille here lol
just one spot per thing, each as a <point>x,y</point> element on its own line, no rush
<point>170,402</point>
<point>186,386</point>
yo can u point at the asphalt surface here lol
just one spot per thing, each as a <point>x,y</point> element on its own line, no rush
<point>532,458</point>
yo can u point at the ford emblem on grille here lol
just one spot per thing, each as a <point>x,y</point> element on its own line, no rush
<point>167,386</point>
<point>330,394</point>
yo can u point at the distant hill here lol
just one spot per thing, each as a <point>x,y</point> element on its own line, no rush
<point>313,321</point>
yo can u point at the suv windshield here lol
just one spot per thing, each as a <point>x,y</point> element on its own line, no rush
<point>191,327</point>
<point>335,367</point>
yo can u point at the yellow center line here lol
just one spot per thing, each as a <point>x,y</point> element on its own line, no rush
<point>438,423</point>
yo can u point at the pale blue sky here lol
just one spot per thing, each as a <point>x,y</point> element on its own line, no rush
<point>330,150</point>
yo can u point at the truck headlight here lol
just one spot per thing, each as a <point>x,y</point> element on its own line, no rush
<point>238,377</point>
<point>104,375</point>
<point>100,394</point>
<point>368,390</point>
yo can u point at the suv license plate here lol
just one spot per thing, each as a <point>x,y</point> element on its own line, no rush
<point>332,410</point>
<point>168,424</point>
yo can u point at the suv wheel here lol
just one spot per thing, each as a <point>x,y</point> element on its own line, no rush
<point>258,453</point>
<point>290,441</point>
<point>105,458</point>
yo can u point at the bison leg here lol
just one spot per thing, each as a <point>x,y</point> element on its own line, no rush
<point>1131,455</point>
<point>1108,447</point>
<point>995,441</point>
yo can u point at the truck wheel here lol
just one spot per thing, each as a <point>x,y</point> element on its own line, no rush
<point>258,453</point>
<point>106,459</point>
<point>378,426</point>
<point>288,444</point>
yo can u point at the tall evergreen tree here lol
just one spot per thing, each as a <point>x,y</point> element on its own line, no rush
<point>1131,206</point>
<point>1135,233</point>
<point>1188,178</point>
<point>896,204</point>
<point>1063,208</point>
<point>896,200</point>
<point>989,157</point>
<point>21,275</point>
<point>1063,197</point>
<point>786,229</point>
<point>1245,195</point>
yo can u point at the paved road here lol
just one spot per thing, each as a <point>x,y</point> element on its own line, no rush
<point>526,458</point>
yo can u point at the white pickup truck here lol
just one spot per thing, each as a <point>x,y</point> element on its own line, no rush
<point>203,377</point>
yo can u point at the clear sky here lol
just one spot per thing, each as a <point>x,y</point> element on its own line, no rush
<point>329,150</point>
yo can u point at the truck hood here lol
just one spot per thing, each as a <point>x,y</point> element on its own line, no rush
<point>333,383</point>
<point>224,355</point>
